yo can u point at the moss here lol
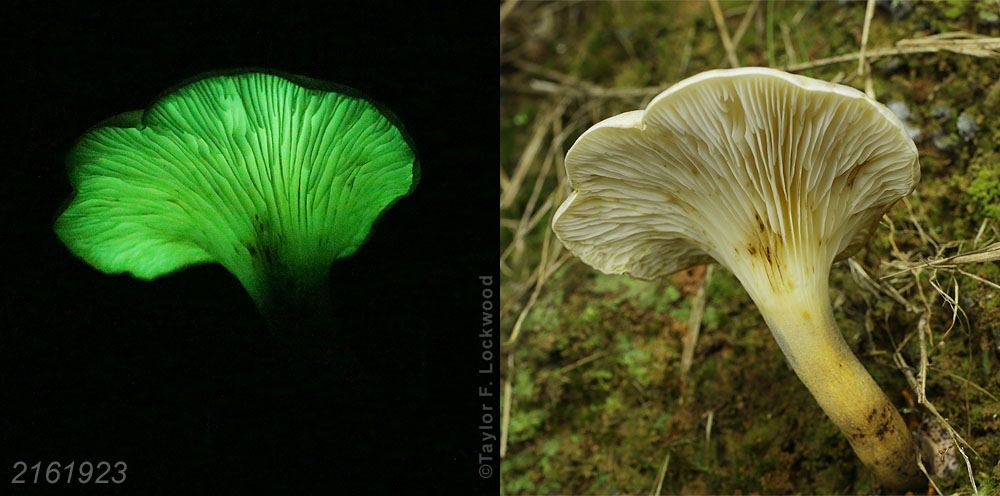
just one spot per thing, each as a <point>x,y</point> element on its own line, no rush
<point>725,286</point>
<point>953,9</point>
<point>984,188</point>
<point>711,318</point>
<point>598,399</point>
<point>681,313</point>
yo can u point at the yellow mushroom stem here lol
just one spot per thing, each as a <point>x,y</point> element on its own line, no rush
<point>801,320</point>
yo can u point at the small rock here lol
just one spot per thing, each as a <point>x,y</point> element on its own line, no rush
<point>941,111</point>
<point>624,34</point>
<point>903,113</point>
<point>967,126</point>
<point>890,65</point>
<point>936,441</point>
<point>989,16</point>
<point>900,109</point>
<point>968,302</point>
<point>898,9</point>
<point>944,142</point>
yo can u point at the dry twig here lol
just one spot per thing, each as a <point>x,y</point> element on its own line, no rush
<point>861,278</point>
<point>727,43</point>
<point>959,378</point>
<point>545,87</point>
<point>660,476</point>
<point>516,296</point>
<point>920,464</point>
<point>583,361</point>
<point>973,45</point>
<point>540,281</point>
<point>507,403</point>
<point>786,38</point>
<point>956,438</point>
<point>534,145</point>
<point>745,23</point>
<point>869,13</point>
<point>506,8</point>
<point>989,253</point>
<point>694,322</point>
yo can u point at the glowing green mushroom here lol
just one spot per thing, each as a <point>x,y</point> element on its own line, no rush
<point>274,177</point>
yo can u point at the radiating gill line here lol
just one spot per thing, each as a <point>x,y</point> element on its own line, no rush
<point>205,208</point>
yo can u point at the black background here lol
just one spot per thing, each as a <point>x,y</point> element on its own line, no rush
<point>179,377</point>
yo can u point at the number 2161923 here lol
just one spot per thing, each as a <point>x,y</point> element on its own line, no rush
<point>70,473</point>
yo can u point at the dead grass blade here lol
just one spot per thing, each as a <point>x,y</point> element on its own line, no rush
<point>920,464</point>
<point>661,475</point>
<point>786,38</point>
<point>869,13</point>
<point>861,277</point>
<point>694,322</point>
<point>745,23</point>
<point>959,378</point>
<point>534,145</point>
<point>506,8</point>
<point>956,438</point>
<point>507,403</point>
<point>727,42</point>
<point>989,253</point>
<point>544,87</point>
<point>540,281</point>
<point>583,361</point>
<point>961,43</point>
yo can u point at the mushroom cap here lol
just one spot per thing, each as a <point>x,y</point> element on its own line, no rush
<point>756,168</point>
<point>247,169</point>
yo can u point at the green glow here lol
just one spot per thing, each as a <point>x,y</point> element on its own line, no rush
<point>269,178</point>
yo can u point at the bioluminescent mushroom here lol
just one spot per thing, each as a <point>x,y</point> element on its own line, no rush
<point>274,177</point>
<point>775,176</point>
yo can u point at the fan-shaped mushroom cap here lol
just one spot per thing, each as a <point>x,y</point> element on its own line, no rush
<point>764,171</point>
<point>270,178</point>
<point>775,176</point>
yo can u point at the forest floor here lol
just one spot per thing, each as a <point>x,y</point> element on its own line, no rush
<point>594,398</point>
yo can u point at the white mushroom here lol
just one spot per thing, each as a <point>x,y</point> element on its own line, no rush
<point>775,176</point>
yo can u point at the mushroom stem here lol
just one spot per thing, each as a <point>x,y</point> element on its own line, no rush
<point>296,302</point>
<point>300,313</point>
<point>802,322</point>
<point>298,305</point>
